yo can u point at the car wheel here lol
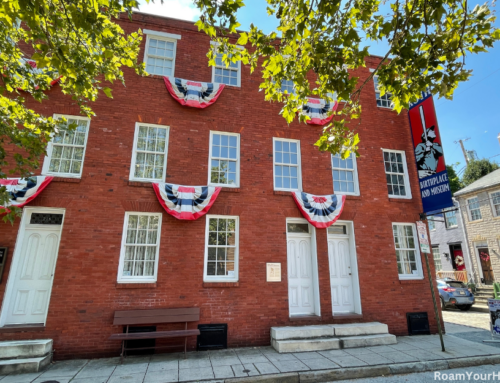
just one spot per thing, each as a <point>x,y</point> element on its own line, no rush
<point>442,304</point>
<point>464,307</point>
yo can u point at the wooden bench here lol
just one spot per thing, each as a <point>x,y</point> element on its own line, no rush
<point>156,316</point>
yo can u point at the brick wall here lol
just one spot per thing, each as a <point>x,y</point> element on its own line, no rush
<point>85,293</point>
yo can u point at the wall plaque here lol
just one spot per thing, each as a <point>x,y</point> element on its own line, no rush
<point>3,260</point>
<point>273,272</point>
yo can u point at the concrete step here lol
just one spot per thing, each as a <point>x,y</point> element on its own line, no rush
<point>25,349</point>
<point>301,332</point>
<point>368,340</point>
<point>23,366</point>
<point>304,345</point>
<point>356,329</point>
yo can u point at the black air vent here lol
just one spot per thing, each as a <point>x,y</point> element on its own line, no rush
<point>212,336</point>
<point>418,324</point>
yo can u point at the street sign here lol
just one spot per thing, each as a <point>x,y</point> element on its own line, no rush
<point>422,237</point>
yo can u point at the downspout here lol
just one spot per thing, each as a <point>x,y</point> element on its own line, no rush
<point>467,243</point>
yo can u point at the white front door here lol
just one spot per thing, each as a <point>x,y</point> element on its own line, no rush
<point>343,272</point>
<point>30,279</point>
<point>300,273</point>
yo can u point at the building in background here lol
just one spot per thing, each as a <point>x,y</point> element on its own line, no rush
<point>480,207</point>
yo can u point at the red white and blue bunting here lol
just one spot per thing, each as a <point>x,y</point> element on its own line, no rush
<point>24,190</point>
<point>186,202</point>
<point>318,109</point>
<point>321,211</point>
<point>193,93</point>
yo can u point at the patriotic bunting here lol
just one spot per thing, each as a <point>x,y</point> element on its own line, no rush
<point>320,211</point>
<point>317,109</point>
<point>24,190</point>
<point>193,93</point>
<point>186,202</point>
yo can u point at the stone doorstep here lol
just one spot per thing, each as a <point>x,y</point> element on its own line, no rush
<point>23,366</point>
<point>368,371</point>
<point>304,345</point>
<point>25,349</point>
<point>324,331</point>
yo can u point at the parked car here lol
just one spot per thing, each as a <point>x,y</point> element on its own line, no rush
<point>455,293</point>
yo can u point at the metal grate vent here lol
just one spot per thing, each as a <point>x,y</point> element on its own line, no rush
<point>46,219</point>
<point>212,336</point>
<point>418,323</point>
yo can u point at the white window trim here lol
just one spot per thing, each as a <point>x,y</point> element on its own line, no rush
<point>406,174</point>
<point>237,135</point>
<point>299,165</point>
<point>418,259</point>
<point>121,278</point>
<point>220,278</point>
<point>354,176</point>
<point>161,36</point>
<point>376,99</point>
<point>432,220</point>
<point>239,68</point>
<point>134,154</point>
<point>469,215</point>
<point>446,222</point>
<point>46,160</point>
<point>493,211</point>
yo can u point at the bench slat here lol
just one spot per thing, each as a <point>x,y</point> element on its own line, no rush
<point>156,319</point>
<point>157,312</point>
<point>155,335</point>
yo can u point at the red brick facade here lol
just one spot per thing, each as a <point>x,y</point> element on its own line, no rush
<point>85,292</point>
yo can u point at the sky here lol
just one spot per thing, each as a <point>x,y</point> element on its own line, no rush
<point>472,115</point>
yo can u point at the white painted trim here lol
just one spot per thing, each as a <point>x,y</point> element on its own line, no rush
<point>469,215</point>
<point>314,260</point>
<point>406,175</point>
<point>354,262</point>
<point>27,210</point>
<point>220,278</point>
<point>50,146</point>
<point>493,212</point>
<point>134,153</point>
<point>161,34</point>
<point>142,279</point>
<point>224,67</point>
<point>160,37</point>
<point>418,258</point>
<point>354,176</point>
<point>375,79</point>
<point>237,135</point>
<point>299,165</point>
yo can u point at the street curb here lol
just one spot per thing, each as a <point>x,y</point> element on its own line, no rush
<point>368,371</point>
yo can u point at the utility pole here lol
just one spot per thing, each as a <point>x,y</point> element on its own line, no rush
<point>463,149</point>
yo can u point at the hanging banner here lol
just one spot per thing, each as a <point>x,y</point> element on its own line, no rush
<point>193,93</point>
<point>318,109</point>
<point>186,202</point>
<point>23,190</point>
<point>321,211</point>
<point>433,178</point>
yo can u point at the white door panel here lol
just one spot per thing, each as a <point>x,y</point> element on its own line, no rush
<point>300,276</point>
<point>341,278</point>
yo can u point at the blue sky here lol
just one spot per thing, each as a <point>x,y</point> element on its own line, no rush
<point>474,112</point>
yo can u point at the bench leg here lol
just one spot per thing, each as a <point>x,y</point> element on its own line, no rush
<point>123,352</point>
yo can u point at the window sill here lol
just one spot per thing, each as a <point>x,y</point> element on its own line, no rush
<point>22,328</point>
<point>283,192</point>
<point>396,199</point>
<point>141,184</point>
<point>140,285</point>
<point>66,179</point>
<point>230,190</point>
<point>387,109</point>
<point>220,284</point>
<point>416,280</point>
<point>227,86</point>
<point>452,227</point>
<point>476,221</point>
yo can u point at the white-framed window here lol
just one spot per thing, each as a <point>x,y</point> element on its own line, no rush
<point>221,74</point>
<point>160,52</point>
<point>287,169</point>
<point>432,223</point>
<point>140,247</point>
<point>221,248</point>
<point>345,175</point>
<point>450,219</point>
<point>396,173</point>
<point>382,101</point>
<point>437,258</point>
<point>495,203</point>
<point>287,86</point>
<point>149,155</point>
<point>66,149</point>
<point>407,252</point>
<point>474,209</point>
<point>224,165</point>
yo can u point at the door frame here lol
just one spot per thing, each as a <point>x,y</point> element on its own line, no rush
<point>475,246</point>
<point>16,256</point>
<point>354,264</point>
<point>314,263</point>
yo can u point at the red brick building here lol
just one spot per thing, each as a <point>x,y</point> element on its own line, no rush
<point>104,206</point>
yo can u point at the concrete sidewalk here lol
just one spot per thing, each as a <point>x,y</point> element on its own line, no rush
<point>262,364</point>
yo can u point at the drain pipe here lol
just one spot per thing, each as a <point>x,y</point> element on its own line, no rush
<point>464,232</point>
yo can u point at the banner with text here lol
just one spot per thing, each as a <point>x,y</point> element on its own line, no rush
<point>433,178</point>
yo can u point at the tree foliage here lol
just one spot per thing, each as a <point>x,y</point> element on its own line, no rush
<point>477,169</point>
<point>455,183</point>
<point>77,41</point>
<point>428,42</point>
